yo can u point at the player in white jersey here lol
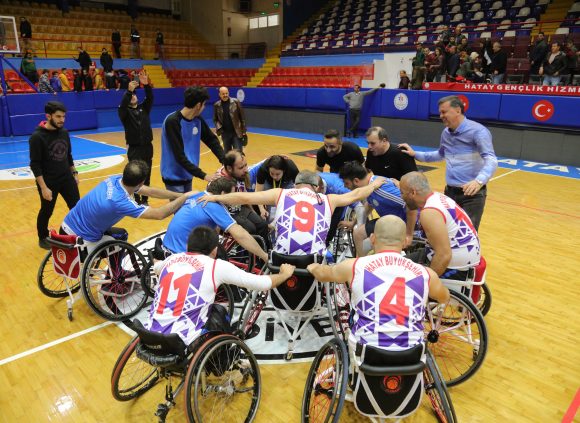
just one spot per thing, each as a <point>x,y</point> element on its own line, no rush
<point>388,291</point>
<point>452,241</point>
<point>302,214</point>
<point>189,282</point>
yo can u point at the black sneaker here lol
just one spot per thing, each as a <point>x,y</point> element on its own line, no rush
<point>43,243</point>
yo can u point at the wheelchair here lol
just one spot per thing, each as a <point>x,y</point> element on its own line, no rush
<point>385,384</point>
<point>218,375</point>
<point>109,277</point>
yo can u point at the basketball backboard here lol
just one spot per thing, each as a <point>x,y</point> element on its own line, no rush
<point>9,42</point>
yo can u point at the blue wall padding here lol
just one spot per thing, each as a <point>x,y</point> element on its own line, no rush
<point>519,108</point>
<point>481,106</point>
<point>325,98</point>
<point>75,120</point>
<point>388,98</point>
<point>276,97</point>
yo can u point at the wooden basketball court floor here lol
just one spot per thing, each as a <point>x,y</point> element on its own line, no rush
<point>55,370</point>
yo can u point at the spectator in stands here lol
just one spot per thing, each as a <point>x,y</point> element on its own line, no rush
<point>443,38</point>
<point>418,63</point>
<point>25,34</point>
<point>463,46</point>
<point>106,61</point>
<point>87,80</point>
<point>65,85</point>
<point>486,52</point>
<point>137,124</point>
<point>437,67</point>
<point>335,153</point>
<point>404,80</point>
<point>44,83</point>
<point>181,135</point>
<point>99,83</point>
<point>571,53</point>
<point>553,66</point>
<point>28,67</point>
<point>460,36</point>
<point>110,81</point>
<point>430,60</point>
<point>84,59</point>
<point>135,43</point>
<point>77,81</point>
<point>465,67</point>
<point>385,158</point>
<point>123,78</point>
<point>451,42</point>
<point>160,45</point>
<point>467,148</point>
<point>355,102</point>
<point>498,64</point>
<point>478,75</point>
<point>229,120</point>
<point>116,42</point>
<point>52,164</point>
<point>538,53</point>
<point>55,82</point>
<point>452,62</point>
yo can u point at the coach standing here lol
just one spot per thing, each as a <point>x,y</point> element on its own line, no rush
<point>53,167</point>
<point>229,120</point>
<point>467,148</point>
<point>137,124</point>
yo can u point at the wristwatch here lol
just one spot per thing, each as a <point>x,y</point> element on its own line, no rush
<point>479,182</point>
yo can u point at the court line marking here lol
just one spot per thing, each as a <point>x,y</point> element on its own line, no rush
<point>53,343</point>
<point>495,178</point>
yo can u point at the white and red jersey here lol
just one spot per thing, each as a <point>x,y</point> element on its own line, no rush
<point>302,221</point>
<point>187,286</point>
<point>388,294</point>
<point>465,248</point>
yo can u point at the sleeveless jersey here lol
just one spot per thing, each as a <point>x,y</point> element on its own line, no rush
<point>302,220</point>
<point>388,293</point>
<point>465,248</point>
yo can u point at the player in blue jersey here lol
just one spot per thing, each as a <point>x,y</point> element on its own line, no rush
<point>385,201</point>
<point>113,199</point>
<point>181,135</point>
<point>192,215</point>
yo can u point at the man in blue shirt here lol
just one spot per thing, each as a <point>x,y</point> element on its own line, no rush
<point>113,199</point>
<point>181,135</point>
<point>467,148</point>
<point>193,215</point>
<point>384,201</point>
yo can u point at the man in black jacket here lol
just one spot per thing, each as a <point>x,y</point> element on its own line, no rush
<point>25,33</point>
<point>137,124</point>
<point>53,167</point>
<point>135,43</point>
<point>452,62</point>
<point>84,59</point>
<point>538,54</point>
<point>554,64</point>
<point>106,61</point>
<point>229,120</point>
<point>498,64</point>
<point>116,42</point>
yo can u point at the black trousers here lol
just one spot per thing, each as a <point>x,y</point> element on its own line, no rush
<point>334,221</point>
<point>117,48</point>
<point>68,188</point>
<point>145,153</point>
<point>354,117</point>
<point>252,222</point>
<point>472,204</point>
<point>231,141</point>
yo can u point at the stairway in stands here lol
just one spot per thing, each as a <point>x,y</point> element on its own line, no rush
<point>272,60</point>
<point>556,10</point>
<point>157,76</point>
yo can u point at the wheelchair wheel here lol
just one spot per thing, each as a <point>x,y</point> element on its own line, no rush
<point>457,337</point>
<point>149,280</point>
<point>225,297</point>
<point>223,382</point>
<point>111,280</point>
<point>484,303</point>
<point>437,392</point>
<point>326,384</point>
<point>132,376</point>
<point>338,304</point>
<point>251,309</point>
<point>52,284</point>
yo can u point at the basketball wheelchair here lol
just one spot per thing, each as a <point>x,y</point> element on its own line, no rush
<point>218,374</point>
<point>109,277</point>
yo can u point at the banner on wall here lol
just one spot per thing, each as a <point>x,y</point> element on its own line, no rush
<point>502,88</point>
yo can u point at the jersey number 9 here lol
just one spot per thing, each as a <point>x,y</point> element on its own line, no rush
<point>305,216</point>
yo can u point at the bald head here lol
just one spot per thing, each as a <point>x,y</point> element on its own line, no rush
<point>389,233</point>
<point>415,189</point>
<point>224,93</point>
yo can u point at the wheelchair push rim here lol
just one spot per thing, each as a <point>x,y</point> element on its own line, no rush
<point>437,392</point>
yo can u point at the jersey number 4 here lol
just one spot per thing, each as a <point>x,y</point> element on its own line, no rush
<point>181,284</point>
<point>398,309</point>
<point>305,216</point>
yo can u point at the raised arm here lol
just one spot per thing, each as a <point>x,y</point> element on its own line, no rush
<point>358,194</point>
<point>211,140</point>
<point>247,241</point>
<point>267,198</point>
<point>158,193</point>
<point>160,213</point>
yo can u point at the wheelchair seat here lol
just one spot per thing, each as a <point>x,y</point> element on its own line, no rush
<point>120,234</point>
<point>65,254</point>
<point>299,292</point>
<point>388,383</point>
<point>159,350</point>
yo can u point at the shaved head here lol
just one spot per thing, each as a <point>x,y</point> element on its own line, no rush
<point>414,189</point>
<point>224,93</point>
<point>390,231</point>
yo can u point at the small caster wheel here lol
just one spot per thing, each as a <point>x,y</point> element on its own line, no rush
<point>288,356</point>
<point>162,410</point>
<point>69,315</point>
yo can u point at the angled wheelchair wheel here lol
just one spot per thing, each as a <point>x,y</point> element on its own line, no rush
<point>437,392</point>
<point>225,297</point>
<point>457,337</point>
<point>223,382</point>
<point>132,376</point>
<point>338,304</point>
<point>251,309</point>
<point>326,384</point>
<point>484,303</point>
<point>149,280</point>
<point>111,280</point>
<point>51,283</point>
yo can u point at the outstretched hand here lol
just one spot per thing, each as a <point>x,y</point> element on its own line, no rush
<point>407,149</point>
<point>378,182</point>
<point>144,78</point>
<point>207,198</point>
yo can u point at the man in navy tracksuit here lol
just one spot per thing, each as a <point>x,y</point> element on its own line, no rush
<point>180,142</point>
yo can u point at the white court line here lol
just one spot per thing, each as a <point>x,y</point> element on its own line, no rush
<point>13,152</point>
<point>505,174</point>
<point>53,343</point>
